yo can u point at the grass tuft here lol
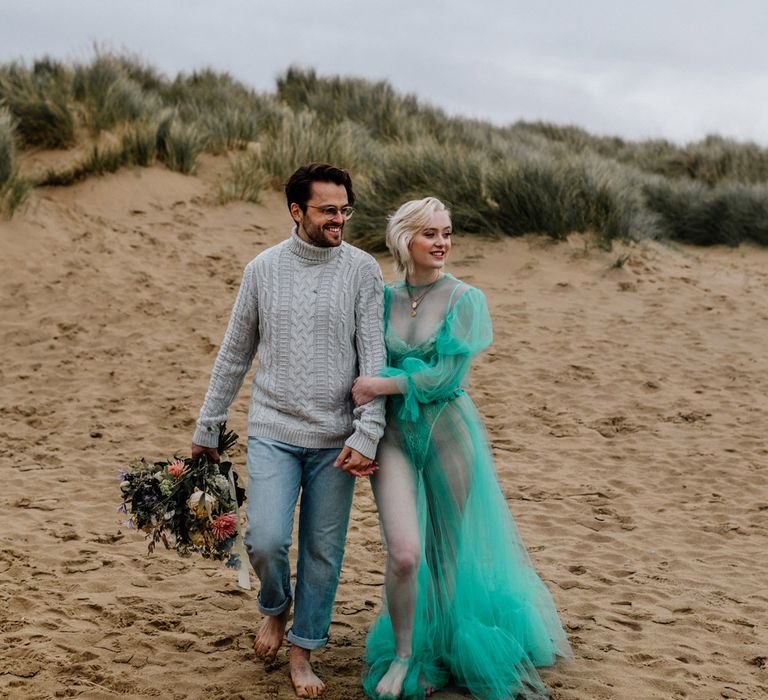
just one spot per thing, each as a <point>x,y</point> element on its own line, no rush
<point>14,189</point>
<point>727,214</point>
<point>100,160</point>
<point>109,95</point>
<point>179,145</point>
<point>39,101</point>
<point>301,137</point>
<point>454,177</point>
<point>7,146</point>
<point>139,143</point>
<point>246,181</point>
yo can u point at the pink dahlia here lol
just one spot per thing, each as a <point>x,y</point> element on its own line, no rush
<point>224,526</point>
<point>176,469</point>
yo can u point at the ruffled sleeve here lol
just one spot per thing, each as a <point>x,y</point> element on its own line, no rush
<point>467,330</point>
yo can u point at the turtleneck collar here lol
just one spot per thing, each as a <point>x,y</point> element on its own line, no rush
<point>307,251</point>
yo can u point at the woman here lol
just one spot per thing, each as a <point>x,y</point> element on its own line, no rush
<point>462,601</point>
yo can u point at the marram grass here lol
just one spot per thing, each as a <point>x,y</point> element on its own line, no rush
<point>14,189</point>
<point>246,180</point>
<point>40,104</point>
<point>521,178</point>
<point>180,144</point>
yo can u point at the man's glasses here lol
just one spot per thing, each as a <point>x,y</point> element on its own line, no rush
<point>330,211</point>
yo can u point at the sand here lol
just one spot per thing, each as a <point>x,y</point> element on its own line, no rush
<point>625,396</point>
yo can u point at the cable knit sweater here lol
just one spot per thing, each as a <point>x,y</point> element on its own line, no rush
<point>314,315</point>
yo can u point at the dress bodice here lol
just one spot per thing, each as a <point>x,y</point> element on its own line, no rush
<point>398,350</point>
<point>430,351</point>
<point>416,335</point>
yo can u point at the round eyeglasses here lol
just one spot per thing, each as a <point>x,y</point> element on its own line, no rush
<point>330,211</point>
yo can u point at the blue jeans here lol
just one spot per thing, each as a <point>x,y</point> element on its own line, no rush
<point>276,473</point>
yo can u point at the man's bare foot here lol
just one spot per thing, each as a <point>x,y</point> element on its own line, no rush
<point>269,638</point>
<point>391,683</point>
<point>305,682</point>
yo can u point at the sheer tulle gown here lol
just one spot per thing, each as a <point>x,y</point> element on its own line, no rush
<point>484,619</point>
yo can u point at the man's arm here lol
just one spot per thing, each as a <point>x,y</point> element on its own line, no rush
<point>368,420</point>
<point>232,363</point>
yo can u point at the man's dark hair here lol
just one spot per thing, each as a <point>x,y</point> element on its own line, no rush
<point>299,185</point>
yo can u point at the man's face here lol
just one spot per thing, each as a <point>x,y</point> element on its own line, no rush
<point>318,228</point>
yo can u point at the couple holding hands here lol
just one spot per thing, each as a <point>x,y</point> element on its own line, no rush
<point>356,378</point>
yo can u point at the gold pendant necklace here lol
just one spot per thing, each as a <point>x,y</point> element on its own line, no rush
<point>415,301</point>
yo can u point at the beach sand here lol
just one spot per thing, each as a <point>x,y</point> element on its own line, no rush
<point>625,397</point>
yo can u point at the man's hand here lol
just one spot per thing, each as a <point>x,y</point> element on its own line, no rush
<point>199,449</point>
<point>354,463</point>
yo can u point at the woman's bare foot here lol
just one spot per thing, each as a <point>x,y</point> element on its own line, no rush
<point>305,682</point>
<point>269,638</point>
<point>391,683</point>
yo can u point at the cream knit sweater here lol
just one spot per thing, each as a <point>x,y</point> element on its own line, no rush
<point>314,316</point>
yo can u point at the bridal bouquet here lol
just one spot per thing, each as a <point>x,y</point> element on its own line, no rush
<point>189,504</point>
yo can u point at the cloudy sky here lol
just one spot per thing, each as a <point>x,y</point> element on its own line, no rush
<point>677,69</point>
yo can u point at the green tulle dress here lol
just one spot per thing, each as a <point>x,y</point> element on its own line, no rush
<point>484,619</point>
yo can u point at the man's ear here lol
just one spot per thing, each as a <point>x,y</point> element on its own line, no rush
<point>296,213</point>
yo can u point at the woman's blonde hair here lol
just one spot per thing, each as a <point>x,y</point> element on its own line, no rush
<point>405,223</point>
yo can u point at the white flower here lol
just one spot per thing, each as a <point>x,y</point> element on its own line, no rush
<point>201,503</point>
<point>222,483</point>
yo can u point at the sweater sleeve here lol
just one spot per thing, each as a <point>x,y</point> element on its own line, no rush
<point>233,361</point>
<point>368,420</point>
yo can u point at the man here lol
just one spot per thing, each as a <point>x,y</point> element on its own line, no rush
<point>311,307</point>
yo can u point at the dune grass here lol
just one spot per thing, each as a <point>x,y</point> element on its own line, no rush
<point>109,96</point>
<point>300,137</point>
<point>139,143</point>
<point>411,172</point>
<point>521,178</point>
<point>100,160</point>
<point>7,147</point>
<point>38,99</point>
<point>560,196</point>
<point>14,189</point>
<point>230,115</point>
<point>246,181</point>
<point>729,213</point>
<point>179,144</point>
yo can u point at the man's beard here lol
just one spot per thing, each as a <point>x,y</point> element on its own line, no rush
<point>316,235</point>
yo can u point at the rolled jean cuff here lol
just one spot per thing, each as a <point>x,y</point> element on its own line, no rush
<point>274,611</point>
<point>308,644</point>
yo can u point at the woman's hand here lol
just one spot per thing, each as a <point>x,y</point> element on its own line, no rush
<point>364,390</point>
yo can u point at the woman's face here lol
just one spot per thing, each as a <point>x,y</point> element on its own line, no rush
<point>430,246</point>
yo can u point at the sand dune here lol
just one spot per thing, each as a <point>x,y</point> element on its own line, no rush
<point>625,396</point>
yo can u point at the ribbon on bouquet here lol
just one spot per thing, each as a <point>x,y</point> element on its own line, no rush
<point>243,577</point>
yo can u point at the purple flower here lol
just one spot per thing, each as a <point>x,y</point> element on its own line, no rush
<point>121,508</point>
<point>128,524</point>
<point>122,473</point>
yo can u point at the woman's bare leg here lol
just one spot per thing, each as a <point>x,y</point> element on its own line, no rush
<point>447,481</point>
<point>394,487</point>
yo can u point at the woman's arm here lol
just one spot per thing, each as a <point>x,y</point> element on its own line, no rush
<point>366,389</point>
<point>466,332</point>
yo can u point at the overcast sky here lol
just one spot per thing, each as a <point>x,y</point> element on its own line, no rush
<point>677,69</point>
